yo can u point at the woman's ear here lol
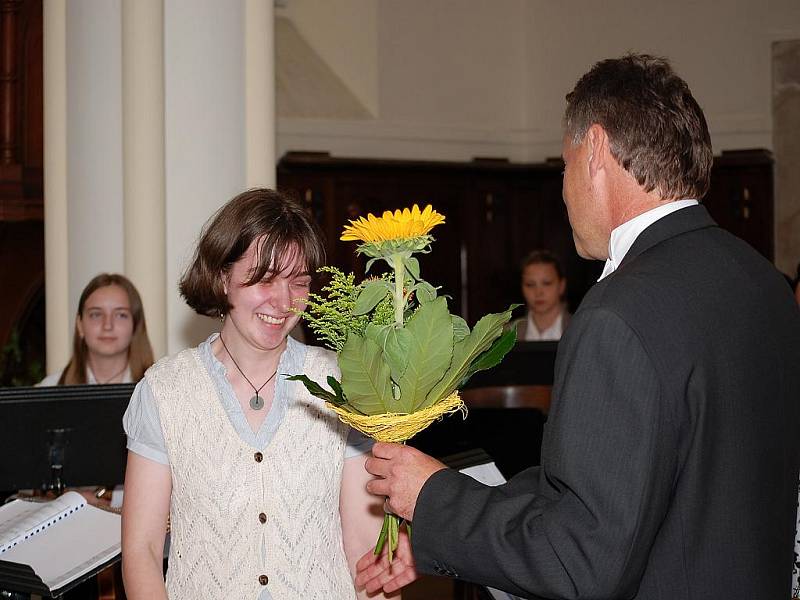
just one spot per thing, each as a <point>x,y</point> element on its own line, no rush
<point>224,278</point>
<point>79,326</point>
<point>562,287</point>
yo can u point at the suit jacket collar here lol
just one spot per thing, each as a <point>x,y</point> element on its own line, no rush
<point>681,221</point>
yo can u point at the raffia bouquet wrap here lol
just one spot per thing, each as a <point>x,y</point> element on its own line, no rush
<point>402,355</point>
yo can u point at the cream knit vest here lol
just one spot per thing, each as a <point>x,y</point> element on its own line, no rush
<point>219,546</point>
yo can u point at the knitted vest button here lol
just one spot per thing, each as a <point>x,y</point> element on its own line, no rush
<point>258,456</point>
<point>262,517</point>
<point>263,579</point>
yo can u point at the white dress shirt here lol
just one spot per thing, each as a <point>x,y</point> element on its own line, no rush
<point>622,237</point>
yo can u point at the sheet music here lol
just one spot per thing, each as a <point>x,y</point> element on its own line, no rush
<point>71,547</point>
<point>20,519</point>
<point>487,474</point>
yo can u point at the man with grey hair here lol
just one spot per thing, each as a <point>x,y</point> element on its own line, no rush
<point>670,457</point>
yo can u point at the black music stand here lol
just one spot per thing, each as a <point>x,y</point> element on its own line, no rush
<point>79,427</point>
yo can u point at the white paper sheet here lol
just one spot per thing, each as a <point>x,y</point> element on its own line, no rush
<point>68,548</point>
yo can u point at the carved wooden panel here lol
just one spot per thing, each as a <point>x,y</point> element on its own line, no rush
<point>496,213</point>
<point>21,110</point>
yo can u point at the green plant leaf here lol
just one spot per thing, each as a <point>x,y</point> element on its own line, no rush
<point>425,292</point>
<point>365,376</point>
<point>429,354</point>
<point>382,536</point>
<point>337,388</point>
<point>396,351</point>
<point>378,333</point>
<point>373,292</point>
<point>485,332</point>
<point>316,389</point>
<point>412,267</point>
<point>492,357</point>
<point>460,328</point>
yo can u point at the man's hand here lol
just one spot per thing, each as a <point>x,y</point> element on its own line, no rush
<point>401,472</point>
<point>376,572</point>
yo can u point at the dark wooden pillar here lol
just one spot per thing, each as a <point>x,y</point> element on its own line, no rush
<point>9,82</point>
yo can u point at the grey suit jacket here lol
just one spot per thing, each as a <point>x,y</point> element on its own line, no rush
<point>670,456</point>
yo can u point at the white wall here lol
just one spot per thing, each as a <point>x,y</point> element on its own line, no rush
<point>94,143</point>
<point>449,84</point>
<point>464,78</point>
<point>722,49</point>
<point>345,33</point>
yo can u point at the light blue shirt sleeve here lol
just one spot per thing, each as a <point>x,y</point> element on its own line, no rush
<point>142,425</point>
<point>357,444</point>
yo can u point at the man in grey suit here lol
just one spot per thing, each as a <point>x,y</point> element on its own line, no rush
<point>670,457</point>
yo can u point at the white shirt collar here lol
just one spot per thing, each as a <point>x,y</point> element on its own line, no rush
<point>622,237</point>
<point>92,380</point>
<point>532,333</point>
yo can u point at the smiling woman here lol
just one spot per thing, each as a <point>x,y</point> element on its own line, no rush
<point>264,487</point>
<point>110,343</point>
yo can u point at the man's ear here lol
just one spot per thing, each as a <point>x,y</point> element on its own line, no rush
<point>597,149</point>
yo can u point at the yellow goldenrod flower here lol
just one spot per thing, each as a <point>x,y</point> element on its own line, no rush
<point>405,224</point>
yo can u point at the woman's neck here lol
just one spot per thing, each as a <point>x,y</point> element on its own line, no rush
<point>108,369</point>
<point>252,361</point>
<point>544,321</point>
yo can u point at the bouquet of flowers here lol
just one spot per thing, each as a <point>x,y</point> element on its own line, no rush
<point>402,355</point>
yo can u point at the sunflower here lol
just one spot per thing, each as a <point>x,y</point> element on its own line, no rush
<point>397,225</point>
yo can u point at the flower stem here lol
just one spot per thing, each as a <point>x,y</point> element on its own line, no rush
<point>399,278</point>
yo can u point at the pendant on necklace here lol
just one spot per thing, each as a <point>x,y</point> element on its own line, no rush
<point>256,402</point>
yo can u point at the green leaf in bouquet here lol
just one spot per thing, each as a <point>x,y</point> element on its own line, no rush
<point>396,351</point>
<point>377,333</point>
<point>492,357</point>
<point>412,268</point>
<point>430,352</point>
<point>373,292</point>
<point>425,292</point>
<point>365,376</point>
<point>337,388</point>
<point>316,389</point>
<point>460,328</point>
<point>485,332</point>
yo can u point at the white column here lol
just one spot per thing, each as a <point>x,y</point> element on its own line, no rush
<point>204,136</point>
<point>94,142</point>
<point>259,79</point>
<point>143,160</point>
<point>56,242</point>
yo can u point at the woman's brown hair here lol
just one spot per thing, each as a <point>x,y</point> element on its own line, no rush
<point>282,228</point>
<point>543,257</point>
<point>140,353</point>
